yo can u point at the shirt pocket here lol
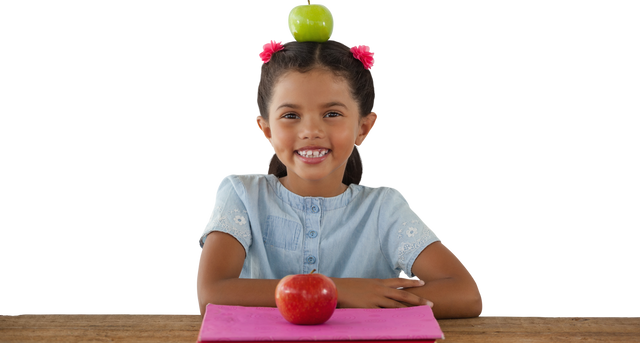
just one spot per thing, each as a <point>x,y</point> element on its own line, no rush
<point>282,233</point>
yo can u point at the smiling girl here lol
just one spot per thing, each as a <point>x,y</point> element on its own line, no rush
<point>309,212</point>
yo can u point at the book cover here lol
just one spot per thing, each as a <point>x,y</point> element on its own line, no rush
<point>251,324</point>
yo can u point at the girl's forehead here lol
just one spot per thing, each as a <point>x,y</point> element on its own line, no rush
<point>316,80</point>
<point>311,90</point>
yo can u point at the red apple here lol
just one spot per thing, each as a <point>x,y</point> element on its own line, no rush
<point>306,298</point>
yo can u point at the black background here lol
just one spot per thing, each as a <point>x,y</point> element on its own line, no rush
<point>481,126</point>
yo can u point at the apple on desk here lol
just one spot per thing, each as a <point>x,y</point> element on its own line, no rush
<point>306,299</point>
<point>311,23</point>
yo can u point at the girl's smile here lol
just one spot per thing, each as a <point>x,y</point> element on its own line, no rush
<point>312,155</point>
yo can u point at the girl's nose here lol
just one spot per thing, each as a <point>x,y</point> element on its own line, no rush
<point>311,129</point>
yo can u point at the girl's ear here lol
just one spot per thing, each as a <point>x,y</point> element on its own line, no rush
<point>366,123</point>
<point>263,128</point>
<point>261,125</point>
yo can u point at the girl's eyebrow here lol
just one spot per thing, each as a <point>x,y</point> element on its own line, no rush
<point>327,105</point>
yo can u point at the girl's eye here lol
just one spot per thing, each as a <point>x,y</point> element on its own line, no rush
<point>332,115</point>
<point>293,114</point>
<point>290,116</point>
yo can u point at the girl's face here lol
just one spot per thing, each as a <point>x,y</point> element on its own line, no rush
<point>313,125</point>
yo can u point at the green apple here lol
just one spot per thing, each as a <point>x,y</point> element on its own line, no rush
<point>311,23</point>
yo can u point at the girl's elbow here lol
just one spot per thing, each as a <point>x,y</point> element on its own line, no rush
<point>471,311</point>
<point>475,307</point>
<point>469,306</point>
<point>473,302</point>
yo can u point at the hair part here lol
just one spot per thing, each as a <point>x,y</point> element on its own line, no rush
<point>303,57</point>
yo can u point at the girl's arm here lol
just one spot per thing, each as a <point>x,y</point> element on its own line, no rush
<point>218,276</point>
<point>448,284</point>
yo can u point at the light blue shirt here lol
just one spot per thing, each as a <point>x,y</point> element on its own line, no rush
<point>363,232</point>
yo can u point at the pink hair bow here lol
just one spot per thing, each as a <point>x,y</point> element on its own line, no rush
<point>362,53</point>
<point>269,49</point>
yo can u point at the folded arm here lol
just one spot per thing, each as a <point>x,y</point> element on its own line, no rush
<point>444,281</point>
<point>448,284</point>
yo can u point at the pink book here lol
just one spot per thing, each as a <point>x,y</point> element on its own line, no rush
<point>250,324</point>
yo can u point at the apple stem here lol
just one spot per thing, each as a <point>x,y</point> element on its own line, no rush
<point>309,2</point>
<point>313,271</point>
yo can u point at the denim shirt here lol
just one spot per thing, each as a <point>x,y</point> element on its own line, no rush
<point>363,232</point>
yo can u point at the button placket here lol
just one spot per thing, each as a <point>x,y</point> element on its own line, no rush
<point>312,211</point>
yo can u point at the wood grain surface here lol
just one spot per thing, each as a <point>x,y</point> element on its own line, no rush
<point>177,328</point>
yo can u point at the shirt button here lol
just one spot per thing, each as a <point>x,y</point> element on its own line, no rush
<point>312,234</point>
<point>311,260</point>
<point>315,209</point>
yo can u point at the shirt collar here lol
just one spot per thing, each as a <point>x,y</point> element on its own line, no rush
<point>298,202</point>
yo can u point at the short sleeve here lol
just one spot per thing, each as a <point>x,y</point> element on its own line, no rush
<point>402,234</point>
<point>230,213</point>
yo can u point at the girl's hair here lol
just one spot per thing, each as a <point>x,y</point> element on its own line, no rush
<point>303,57</point>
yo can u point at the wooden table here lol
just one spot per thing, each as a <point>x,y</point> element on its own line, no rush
<point>136,328</point>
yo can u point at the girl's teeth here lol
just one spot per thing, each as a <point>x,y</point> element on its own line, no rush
<point>314,153</point>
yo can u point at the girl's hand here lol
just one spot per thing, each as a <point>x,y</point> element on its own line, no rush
<point>377,293</point>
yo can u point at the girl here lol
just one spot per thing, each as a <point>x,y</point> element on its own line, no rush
<point>309,212</point>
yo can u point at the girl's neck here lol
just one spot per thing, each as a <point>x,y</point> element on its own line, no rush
<point>307,188</point>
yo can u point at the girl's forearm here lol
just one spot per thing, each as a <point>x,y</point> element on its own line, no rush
<point>239,292</point>
<point>451,298</point>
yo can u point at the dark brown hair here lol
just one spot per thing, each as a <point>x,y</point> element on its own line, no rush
<point>303,57</point>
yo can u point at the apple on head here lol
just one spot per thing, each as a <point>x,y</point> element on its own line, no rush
<point>311,23</point>
<point>306,298</point>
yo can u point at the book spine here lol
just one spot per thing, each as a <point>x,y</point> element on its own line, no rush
<point>359,341</point>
